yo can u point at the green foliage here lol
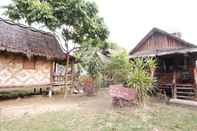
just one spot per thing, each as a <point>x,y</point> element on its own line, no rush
<point>99,82</point>
<point>118,67</point>
<point>79,18</point>
<point>90,61</point>
<point>140,78</point>
<point>151,63</point>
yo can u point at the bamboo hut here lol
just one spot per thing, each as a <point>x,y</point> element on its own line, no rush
<point>28,57</point>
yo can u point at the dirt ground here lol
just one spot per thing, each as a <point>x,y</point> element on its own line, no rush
<point>36,105</point>
<point>82,113</point>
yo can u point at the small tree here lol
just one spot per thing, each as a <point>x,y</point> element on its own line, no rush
<point>94,58</point>
<point>140,78</point>
<point>92,63</point>
<point>118,67</point>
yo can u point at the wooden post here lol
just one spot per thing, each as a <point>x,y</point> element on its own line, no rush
<point>66,75</point>
<point>51,79</point>
<point>195,80</point>
<point>174,84</point>
<point>72,76</point>
<point>50,91</point>
<point>52,72</point>
<point>174,78</point>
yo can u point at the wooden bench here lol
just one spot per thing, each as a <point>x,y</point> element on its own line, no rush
<point>121,95</point>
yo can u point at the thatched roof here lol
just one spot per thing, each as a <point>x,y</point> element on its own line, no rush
<point>187,47</point>
<point>20,39</point>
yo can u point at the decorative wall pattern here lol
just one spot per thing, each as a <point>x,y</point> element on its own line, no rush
<point>13,74</point>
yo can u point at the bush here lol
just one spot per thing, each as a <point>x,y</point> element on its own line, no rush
<point>140,77</point>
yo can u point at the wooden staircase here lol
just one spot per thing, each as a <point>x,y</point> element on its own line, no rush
<point>184,91</point>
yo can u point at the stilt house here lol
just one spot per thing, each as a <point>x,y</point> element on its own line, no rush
<point>176,70</point>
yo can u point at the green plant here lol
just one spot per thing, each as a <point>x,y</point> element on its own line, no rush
<point>92,62</point>
<point>118,67</point>
<point>140,78</point>
<point>150,63</point>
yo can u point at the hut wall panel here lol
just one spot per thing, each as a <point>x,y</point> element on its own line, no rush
<point>12,72</point>
<point>165,78</point>
<point>160,42</point>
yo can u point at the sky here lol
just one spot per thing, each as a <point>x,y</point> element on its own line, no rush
<point>130,20</point>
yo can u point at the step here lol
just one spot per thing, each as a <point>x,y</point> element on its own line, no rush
<point>188,85</point>
<point>187,97</point>
<point>185,88</point>
<point>190,93</point>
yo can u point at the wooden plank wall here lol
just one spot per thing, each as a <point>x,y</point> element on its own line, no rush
<point>166,78</point>
<point>158,41</point>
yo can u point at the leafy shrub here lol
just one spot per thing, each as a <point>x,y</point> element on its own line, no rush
<point>140,77</point>
<point>118,68</point>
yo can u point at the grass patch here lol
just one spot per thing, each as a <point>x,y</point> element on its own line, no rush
<point>154,117</point>
<point>14,94</point>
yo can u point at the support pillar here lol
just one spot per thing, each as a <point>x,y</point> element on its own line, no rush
<point>174,84</point>
<point>50,92</point>
<point>66,75</point>
<point>195,80</point>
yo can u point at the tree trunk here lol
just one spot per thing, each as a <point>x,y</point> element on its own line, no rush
<point>94,84</point>
<point>152,72</point>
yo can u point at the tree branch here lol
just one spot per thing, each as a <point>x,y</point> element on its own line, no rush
<point>75,48</point>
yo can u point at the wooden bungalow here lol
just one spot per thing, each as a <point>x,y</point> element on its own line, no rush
<point>176,70</point>
<point>28,57</point>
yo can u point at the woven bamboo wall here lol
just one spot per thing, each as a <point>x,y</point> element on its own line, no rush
<point>12,72</point>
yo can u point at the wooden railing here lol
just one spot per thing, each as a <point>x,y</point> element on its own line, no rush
<point>59,80</point>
